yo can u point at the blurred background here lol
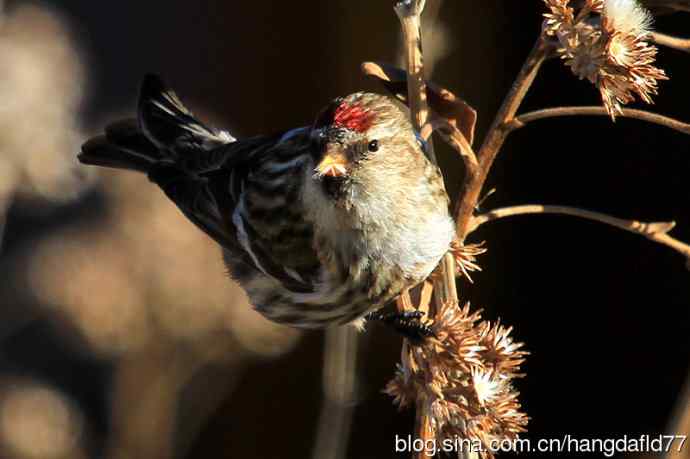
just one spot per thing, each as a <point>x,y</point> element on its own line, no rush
<point>120,336</point>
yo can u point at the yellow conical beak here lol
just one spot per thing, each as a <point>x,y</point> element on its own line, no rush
<point>333,164</point>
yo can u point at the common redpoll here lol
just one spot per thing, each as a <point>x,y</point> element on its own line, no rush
<point>319,224</point>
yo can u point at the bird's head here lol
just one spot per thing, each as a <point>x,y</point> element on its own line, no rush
<point>360,137</point>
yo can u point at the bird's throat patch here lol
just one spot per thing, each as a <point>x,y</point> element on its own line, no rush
<point>334,187</point>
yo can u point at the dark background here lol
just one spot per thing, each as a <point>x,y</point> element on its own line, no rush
<point>604,313</point>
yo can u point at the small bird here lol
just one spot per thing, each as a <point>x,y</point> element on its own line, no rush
<point>321,224</point>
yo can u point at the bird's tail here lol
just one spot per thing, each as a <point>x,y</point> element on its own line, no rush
<point>123,146</point>
<point>165,132</point>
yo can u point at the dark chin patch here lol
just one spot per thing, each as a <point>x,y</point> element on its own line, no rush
<point>334,187</point>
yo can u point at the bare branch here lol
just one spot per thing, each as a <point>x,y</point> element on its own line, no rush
<point>661,7</point>
<point>655,231</point>
<point>4,206</point>
<point>452,135</point>
<point>339,393</point>
<point>522,120</point>
<point>681,44</point>
<point>473,183</point>
<point>680,421</point>
<point>409,12</point>
<point>445,288</point>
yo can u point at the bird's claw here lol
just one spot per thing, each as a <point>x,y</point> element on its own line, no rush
<point>407,323</point>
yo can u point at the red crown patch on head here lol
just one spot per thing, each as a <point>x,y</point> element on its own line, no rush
<point>353,117</point>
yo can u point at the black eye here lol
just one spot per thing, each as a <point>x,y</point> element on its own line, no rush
<point>373,146</point>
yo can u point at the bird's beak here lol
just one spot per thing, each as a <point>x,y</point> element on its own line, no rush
<point>333,164</point>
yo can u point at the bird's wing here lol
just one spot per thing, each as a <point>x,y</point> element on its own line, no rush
<point>231,180</point>
<point>170,125</point>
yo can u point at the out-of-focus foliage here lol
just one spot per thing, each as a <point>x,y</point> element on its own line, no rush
<point>37,422</point>
<point>137,284</point>
<point>42,83</point>
<point>143,271</point>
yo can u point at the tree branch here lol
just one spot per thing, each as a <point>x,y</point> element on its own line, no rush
<point>445,288</point>
<point>339,393</point>
<point>663,7</point>
<point>410,14</point>
<point>453,137</point>
<point>681,44</point>
<point>474,182</point>
<point>655,231</point>
<point>526,118</point>
<point>680,422</point>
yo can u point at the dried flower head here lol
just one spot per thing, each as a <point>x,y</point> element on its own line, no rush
<point>463,376</point>
<point>466,257</point>
<point>627,16</point>
<point>607,43</point>
<point>560,17</point>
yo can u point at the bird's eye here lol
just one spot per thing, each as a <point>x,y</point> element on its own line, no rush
<point>373,146</point>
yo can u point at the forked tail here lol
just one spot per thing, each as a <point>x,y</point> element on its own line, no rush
<point>165,132</point>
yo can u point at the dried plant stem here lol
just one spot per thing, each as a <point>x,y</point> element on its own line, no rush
<point>4,207</point>
<point>680,423</point>
<point>143,414</point>
<point>642,115</point>
<point>339,386</point>
<point>479,165</point>
<point>454,138</point>
<point>409,12</point>
<point>665,7</point>
<point>656,231</point>
<point>681,44</point>
<point>498,132</point>
<point>203,396</point>
<point>424,428</point>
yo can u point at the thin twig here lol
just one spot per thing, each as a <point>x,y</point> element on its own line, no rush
<point>680,424</point>
<point>445,289</point>
<point>410,14</point>
<point>144,401</point>
<point>655,231</point>
<point>650,117</point>
<point>424,428</point>
<point>473,183</point>
<point>4,205</point>
<point>339,386</point>
<point>662,7</point>
<point>681,44</point>
<point>456,139</point>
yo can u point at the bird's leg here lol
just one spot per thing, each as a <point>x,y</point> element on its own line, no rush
<point>407,323</point>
